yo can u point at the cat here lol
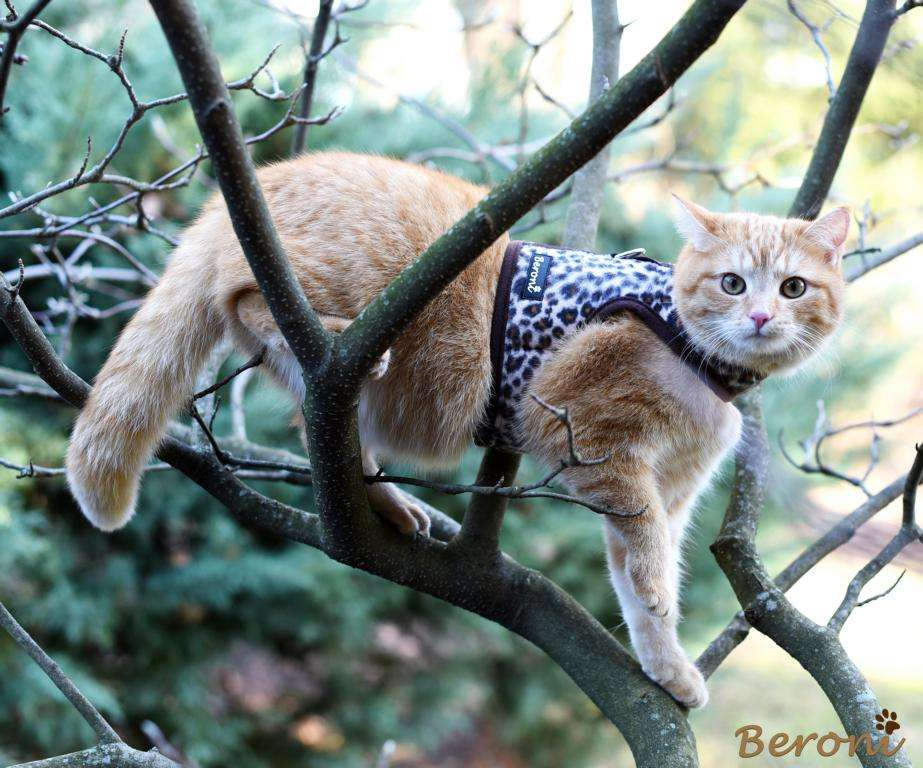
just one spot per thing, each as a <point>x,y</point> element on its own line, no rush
<point>752,291</point>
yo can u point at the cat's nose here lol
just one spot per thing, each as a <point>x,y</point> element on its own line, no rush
<point>760,319</point>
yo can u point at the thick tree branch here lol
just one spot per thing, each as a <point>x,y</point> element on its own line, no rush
<point>214,113</point>
<point>104,756</point>
<point>838,535</point>
<point>383,320</point>
<point>844,107</point>
<point>816,648</point>
<point>480,531</point>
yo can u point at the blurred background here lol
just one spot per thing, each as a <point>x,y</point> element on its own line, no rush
<point>244,651</point>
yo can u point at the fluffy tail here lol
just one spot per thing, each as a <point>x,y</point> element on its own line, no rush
<point>149,375</point>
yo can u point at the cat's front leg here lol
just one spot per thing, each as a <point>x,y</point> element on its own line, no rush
<point>628,486</point>
<point>655,638</point>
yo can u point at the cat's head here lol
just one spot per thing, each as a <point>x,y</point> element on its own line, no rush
<point>758,291</point>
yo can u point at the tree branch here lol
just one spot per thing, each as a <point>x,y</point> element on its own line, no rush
<point>586,198</point>
<point>816,648</point>
<point>376,328</point>
<point>105,756</point>
<point>480,530</point>
<point>868,262</point>
<point>62,682</point>
<point>15,28</point>
<point>214,113</point>
<point>312,60</point>
<point>841,533</point>
<point>844,107</point>
<point>909,532</point>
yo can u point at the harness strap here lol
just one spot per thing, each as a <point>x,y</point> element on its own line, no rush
<point>725,381</point>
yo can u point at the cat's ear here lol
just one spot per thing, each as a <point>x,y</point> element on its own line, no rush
<point>829,232</point>
<point>696,224</point>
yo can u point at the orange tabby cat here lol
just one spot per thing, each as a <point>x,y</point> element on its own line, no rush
<point>349,224</point>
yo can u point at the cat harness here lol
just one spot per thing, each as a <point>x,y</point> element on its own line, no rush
<point>546,293</point>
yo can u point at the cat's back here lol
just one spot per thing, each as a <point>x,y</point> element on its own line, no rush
<point>386,210</point>
<point>348,222</point>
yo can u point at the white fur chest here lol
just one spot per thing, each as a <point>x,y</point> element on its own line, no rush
<point>704,431</point>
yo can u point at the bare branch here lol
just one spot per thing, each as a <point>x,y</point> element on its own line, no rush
<point>176,178</point>
<point>910,488</point>
<point>253,362</point>
<point>908,534</point>
<point>582,220</point>
<point>844,107</point>
<point>15,27</point>
<point>814,463</point>
<point>105,756</point>
<point>480,148</point>
<point>869,261</point>
<point>818,41</point>
<point>880,595</point>
<point>312,60</point>
<point>62,682</point>
<point>214,113</point>
<point>480,529</point>
<point>908,5</point>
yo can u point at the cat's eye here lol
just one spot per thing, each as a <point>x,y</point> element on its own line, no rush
<point>793,288</point>
<point>733,284</point>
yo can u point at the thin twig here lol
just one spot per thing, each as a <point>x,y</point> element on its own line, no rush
<point>49,666</point>
<point>813,462</point>
<point>908,5</point>
<point>15,26</point>
<point>253,362</point>
<point>909,533</point>
<point>312,60</point>
<point>818,41</point>
<point>880,595</point>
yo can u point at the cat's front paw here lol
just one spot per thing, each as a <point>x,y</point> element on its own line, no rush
<point>681,679</point>
<point>381,366</point>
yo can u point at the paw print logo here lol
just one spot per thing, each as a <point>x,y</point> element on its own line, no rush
<point>887,722</point>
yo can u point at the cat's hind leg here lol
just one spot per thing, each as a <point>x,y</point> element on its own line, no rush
<point>394,506</point>
<point>387,500</point>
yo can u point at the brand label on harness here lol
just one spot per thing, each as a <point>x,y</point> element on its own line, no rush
<point>536,277</point>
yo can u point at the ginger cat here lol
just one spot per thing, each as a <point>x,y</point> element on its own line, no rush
<point>751,291</point>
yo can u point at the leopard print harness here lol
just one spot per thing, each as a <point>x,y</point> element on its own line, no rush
<point>546,293</point>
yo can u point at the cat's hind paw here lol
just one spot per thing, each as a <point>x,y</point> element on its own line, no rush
<point>398,509</point>
<point>681,679</point>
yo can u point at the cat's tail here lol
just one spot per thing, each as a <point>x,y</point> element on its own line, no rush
<point>148,377</point>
